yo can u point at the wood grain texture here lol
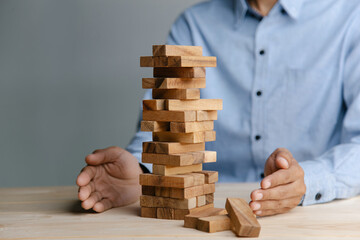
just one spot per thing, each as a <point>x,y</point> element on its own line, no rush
<point>182,94</point>
<point>165,213</point>
<point>210,176</point>
<point>192,137</point>
<point>154,104</point>
<point>174,181</point>
<point>213,224</point>
<point>190,221</point>
<point>200,104</point>
<point>148,190</point>
<point>242,217</point>
<point>169,116</point>
<point>172,147</point>
<point>183,159</point>
<point>176,50</point>
<point>161,202</point>
<point>183,193</point>
<point>148,212</point>
<point>173,83</point>
<point>179,72</point>
<point>169,170</point>
<point>200,201</point>
<point>206,115</point>
<point>177,61</point>
<point>181,213</point>
<point>188,127</point>
<point>153,126</point>
<point>209,198</point>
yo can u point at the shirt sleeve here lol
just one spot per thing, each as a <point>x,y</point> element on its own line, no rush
<point>336,174</point>
<point>179,35</point>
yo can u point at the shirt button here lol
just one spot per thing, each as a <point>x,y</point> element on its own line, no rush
<point>283,11</point>
<point>258,93</point>
<point>318,196</point>
<point>262,175</point>
<point>257,137</point>
<point>262,52</point>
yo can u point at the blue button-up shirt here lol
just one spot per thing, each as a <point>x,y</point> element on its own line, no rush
<point>290,79</point>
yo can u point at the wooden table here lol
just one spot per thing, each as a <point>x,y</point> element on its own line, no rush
<point>55,213</point>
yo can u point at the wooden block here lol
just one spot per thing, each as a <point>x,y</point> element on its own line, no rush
<point>189,94</point>
<point>157,104</point>
<point>187,127</point>
<point>177,61</point>
<point>206,115</point>
<point>165,213</point>
<point>200,200</point>
<point>200,104</point>
<point>242,218</point>
<point>181,213</point>
<point>153,126</point>
<point>210,176</point>
<point>149,212</point>
<point>209,198</point>
<point>169,116</point>
<point>209,188</point>
<point>192,137</point>
<point>174,181</point>
<point>185,193</point>
<point>176,50</point>
<point>214,223</point>
<point>190,221</point>
<point>168,170</point>
<point>172,147</point>
<point>179,72</point>
<point>173,83</point>
<point>148,190</point>
<point>163,191</point>
<point>182,159</point>
<point>153,201</point>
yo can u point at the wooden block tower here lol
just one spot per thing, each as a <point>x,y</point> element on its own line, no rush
<point>181,123</point>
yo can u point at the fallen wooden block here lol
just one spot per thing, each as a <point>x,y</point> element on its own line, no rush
<point>177,61</point>
<point>168,170</point>
<point>190,221</point>
<point>173,83</point>
<point>199,104</point>
<point>182,159</point>
<point>187,127</point>
<point>176,50</point>
<point>161,202</point>
<point>153,126</point>
<point>172,147</point>
<point>213,224</point>
<point>174,181</point>
<point>149,212</point>
<point>179,72</point>
<point>192,137</point>
<point>242,218</point>
<point>181,213</point>
<point>154,104</point>
<point>183,94</point>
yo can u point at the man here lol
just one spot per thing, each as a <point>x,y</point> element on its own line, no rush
<point>289,75</point>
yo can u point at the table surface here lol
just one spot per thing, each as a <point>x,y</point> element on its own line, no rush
<point>55,213</point>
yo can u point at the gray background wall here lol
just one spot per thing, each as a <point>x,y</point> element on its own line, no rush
<point>70,80</point>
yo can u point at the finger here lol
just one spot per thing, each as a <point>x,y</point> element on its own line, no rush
<point>92,200</point>
<point>86,175</point>
<point>279,192</point>
<point>85,191</point>
<point>275,204</point>
<point>102,156</point>
<point>281,177</point>
<point>103,205</point>
<point>283,158</point>
<point>263,213</point>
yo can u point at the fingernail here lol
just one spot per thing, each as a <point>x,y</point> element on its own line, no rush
<point>258,196</point>
<point>258,212</point>
<point>267,184</point>
<point>283,162</point>
<point>255,206</point>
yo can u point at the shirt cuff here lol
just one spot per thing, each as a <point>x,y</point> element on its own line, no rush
<point>320,183</point>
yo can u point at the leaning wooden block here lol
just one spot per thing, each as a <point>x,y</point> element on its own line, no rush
<point>174,181</point>
<point>169,116</point>
<point>154,104</point>
<point>177,61</point>
<point>165,213</point>
<point>190,221</point>
<point>181,213</point>
<point>187,127</point>
<point>153,126</point>
<point>214,223</point>
<point>192,137</point>
<point>176,50</point>
<point>242,218</point>
<point>173,83</point>
<point>149,212</point>
<point>168,170</point>
<point>179,72</point>
<point>210,176</point>
<point>153,201</point>
<point>199,104</point>
<point>200,200</point>
<point>172,147</point>
<point>183,94</point>
<point>182,159</point>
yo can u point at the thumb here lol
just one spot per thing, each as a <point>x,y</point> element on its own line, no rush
<point>106,155</point>
<point>283,160</point>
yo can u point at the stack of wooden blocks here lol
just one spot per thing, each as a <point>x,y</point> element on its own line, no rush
<point>180,123</point>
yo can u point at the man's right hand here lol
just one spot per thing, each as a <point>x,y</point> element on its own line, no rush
<point>110,179</point>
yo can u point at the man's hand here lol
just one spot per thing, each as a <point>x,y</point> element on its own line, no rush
<point>111,179</point>
<point>283,186</point>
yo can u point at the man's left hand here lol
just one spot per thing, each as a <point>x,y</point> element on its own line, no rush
<point>283,186</point>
